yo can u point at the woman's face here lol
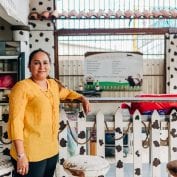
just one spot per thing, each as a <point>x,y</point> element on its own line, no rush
<point>40,66</point>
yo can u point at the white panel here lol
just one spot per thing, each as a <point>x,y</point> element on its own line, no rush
<point>137,146</point>
<point>41,6</point>
<point>100,134</point>
<point>172,136</point>
<point>12,11</point>
<point>82,133</point>
<point>119,143</point>
<point>62,143</point>
<point>41,25</point>
<point>155,144</point>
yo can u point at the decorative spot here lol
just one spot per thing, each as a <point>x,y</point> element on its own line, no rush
<point>171,75</point>
<point>100,176</point>
<point>40,3</point>
<point>172,43</point>
<point>36,40</point>
<point>30,35</point>
<point>81,135</point>
<point>137,153</point>
<point>30,46</point>
<point>169,50</point>
<point>175,87</point>
<point>137,171</point>
<point>48,24</point>
<point>174,117</point>
<point>6,151</point>
<point>175,53</point>
<point>5,117</point>
<point>155,125</point>
<point>174,149</point>
<point>101,142</point>
<point>21,33</point>
<point>119,148</point>
<point>119,164</point>
<point>82,150</point>
<point>26,42</point>
<point>172,132</point>
<point>62,161</point>
<point>46,39</point>
<point>156,162</point>
<point>49,8</point>
<point>175,36</point>
<point>175,69</point>
<point>156,143</point>
<point>41,34</point>
<point>168,83</point>
<point>32,24</point>
<point>118,130</point>
<point>168,67</point>
<point>172,59</point>
<point>81,114</point>
<point>5,135</point>
<point>63,142</point>
<point>137,117</point>
<point>62,125</point>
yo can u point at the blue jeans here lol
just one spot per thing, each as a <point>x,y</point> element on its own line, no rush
<point>43,168</point>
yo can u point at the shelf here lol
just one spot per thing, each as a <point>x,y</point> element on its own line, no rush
<point>8,72</point>
<point>9,57</point>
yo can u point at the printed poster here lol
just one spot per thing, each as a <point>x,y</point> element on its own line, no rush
<point>113,70</point>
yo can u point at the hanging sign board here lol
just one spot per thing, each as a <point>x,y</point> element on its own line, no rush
<point>113,70</point>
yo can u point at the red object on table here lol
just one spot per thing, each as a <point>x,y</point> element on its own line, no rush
<point>147,108</point>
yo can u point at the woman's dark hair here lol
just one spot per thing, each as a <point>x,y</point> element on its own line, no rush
<point>36,51</point>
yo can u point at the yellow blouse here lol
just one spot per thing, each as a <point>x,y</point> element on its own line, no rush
<point>34,117</point>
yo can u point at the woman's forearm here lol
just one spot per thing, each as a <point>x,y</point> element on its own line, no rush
<point>19,147</point>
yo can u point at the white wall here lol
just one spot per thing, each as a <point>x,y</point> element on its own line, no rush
<point>15,11</point>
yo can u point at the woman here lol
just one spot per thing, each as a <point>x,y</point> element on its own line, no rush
<point>33,119</point>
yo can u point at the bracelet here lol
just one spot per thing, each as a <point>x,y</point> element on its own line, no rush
<point>21,155</point>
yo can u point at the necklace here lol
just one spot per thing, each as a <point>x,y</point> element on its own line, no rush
<point>42,84</point>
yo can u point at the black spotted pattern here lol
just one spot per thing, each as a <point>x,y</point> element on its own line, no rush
<point>118,130</point>
<point>62,161</point>
<point>155,125</point>
<point>174,117</point>
<point>101,142</point>
<point>81,135</point>
<point>173,133</point>
<point>63,142</point>
<point>62,125</point>
<point>156,162</point>
<point>156,143</point>
<point>138,171</point>
<point>82,150</point>
<point>119,164</point>
<point>137,153</point>
<point>81,114</point>
<point>119,148</point>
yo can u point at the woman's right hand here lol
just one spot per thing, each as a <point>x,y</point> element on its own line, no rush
<point>22,165</point>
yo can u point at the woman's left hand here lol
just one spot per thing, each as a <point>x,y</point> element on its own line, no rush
<point>86,105</point>
<point>22,165</point>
